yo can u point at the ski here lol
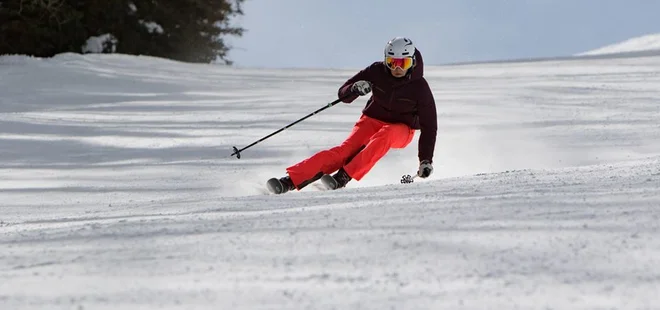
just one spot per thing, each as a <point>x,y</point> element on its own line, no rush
<point>276,186</point>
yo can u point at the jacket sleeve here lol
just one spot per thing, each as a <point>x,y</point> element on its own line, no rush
<point>345,89</point>
<point>428,121</point>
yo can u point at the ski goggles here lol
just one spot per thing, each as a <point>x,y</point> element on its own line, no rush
<point>404,63</point>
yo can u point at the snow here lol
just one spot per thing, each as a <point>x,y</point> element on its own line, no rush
<point>98,44</point>
<point>644,43</point>
<point>118,189</point>
<point>132,8</point>
<point>152,26</point>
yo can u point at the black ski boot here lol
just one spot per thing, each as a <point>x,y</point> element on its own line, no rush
<point>339,180</point>
<point>281,185</point>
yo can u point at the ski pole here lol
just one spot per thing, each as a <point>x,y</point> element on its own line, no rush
<point>237,152</point>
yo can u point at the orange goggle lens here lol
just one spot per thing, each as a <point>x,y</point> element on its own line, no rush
<point>403,63</point>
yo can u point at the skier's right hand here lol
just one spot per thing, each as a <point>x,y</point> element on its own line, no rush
<point>361,88</point>
<point>425,169</point>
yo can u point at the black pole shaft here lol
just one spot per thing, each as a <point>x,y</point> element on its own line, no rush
<point>237,152</point>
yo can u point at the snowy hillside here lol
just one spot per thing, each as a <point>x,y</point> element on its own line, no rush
<point>647,43</point>
<point>118,191</point>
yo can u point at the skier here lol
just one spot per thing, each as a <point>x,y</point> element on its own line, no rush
<point>401,102</point>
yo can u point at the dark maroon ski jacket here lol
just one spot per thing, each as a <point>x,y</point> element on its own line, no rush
<point>406,100</point>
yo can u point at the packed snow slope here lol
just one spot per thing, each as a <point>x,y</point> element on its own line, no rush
<point>118,191</point>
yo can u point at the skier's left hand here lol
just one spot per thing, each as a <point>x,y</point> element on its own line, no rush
<point>425,169</point>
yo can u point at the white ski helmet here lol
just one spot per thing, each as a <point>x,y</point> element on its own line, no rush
<point>400,47</point>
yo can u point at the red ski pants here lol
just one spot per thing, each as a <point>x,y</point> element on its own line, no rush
<point>375,136</point>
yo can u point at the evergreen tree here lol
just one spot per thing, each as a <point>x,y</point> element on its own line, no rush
<point>186,30</point>
<point>38,27</point>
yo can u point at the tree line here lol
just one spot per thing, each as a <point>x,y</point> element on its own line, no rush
<point>185,30</point>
